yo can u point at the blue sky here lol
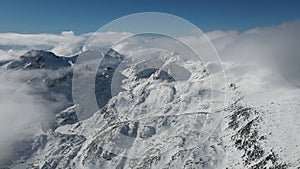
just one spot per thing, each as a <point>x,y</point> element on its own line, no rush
<point>55,16</point>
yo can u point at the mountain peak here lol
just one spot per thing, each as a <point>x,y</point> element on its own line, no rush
<point>38,59</point>
<point>35,52</point>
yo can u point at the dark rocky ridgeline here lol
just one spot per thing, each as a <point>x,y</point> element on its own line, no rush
<point>105,72</point>
<point>39,59</point>
<point>246,136</point>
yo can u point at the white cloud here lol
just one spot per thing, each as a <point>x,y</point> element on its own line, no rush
<point>100,40</point>
<point>20,113</point>
<point>275,48</point>
<point>64,44</point>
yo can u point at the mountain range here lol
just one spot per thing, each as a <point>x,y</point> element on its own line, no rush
<point>152,120</point>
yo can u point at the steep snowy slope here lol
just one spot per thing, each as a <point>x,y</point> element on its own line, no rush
<point>155,121</point>
<point>135,130</point>
<point>261,125</point>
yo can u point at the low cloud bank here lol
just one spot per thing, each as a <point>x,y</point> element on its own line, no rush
<point>276,48</point>
<point>22,114</point>
<point>64,44</point>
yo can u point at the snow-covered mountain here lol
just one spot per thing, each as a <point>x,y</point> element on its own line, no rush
<point>156,121</point>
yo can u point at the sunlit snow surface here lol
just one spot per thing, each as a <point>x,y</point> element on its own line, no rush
<point>152,118</point>
<point>154,121</point>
